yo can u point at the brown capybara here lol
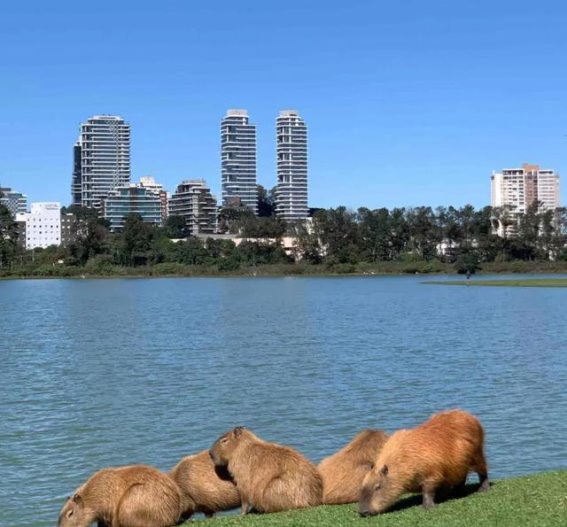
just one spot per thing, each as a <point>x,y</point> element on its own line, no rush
<point>344,471</point>
<point>436,455</point>
<point>204,491</point>
<point>269,477</point>
<point>130,496</point>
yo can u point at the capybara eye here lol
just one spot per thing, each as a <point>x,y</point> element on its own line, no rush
<point>370,466</point>
<point>70,513</point>
<point>377,486</point>
<point>224,440</point>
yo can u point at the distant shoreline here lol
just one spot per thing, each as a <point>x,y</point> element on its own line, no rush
<point>168,270</point>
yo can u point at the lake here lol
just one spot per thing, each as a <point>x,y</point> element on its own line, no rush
<point>112,372</point>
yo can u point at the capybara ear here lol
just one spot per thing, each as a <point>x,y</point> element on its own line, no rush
<point>238,431</point>
<point>77,499</point>
<point>384,470</point>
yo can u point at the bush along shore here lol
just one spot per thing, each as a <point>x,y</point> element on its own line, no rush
<point>538,500</point>
<point>105,269</point>
<point>334,241</point>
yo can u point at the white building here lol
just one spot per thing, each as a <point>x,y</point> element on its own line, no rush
<point>518,188</point>
<point>291,190</point>
<point>43,225</point>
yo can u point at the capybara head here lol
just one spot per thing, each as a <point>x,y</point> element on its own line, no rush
<point>377,492</point>
<point>74,513</point>
<point>224,446</point>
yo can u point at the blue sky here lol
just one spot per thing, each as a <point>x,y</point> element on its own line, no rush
<point>407,102</point>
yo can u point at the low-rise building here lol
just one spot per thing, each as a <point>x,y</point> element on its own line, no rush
<point>42,225</point>
<point>16,202</point>
<point>194,202</point>
<point>131,199</point>
<point>68,229</point>
<point>150,183</point>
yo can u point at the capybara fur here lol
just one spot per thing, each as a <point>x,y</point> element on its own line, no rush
<point>436,455</point>
<point>269,477</point>
<point>344,471</point>
<point>130,496</point>
<point>204,491</point>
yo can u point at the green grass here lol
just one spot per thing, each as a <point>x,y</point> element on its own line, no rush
<point>530,282</point>
<point>538,500</point>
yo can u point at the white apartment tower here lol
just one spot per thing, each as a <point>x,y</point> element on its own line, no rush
<point>101,159</point>
<point>518,188</point>
<point>291,190</point>
<point>238,161</point>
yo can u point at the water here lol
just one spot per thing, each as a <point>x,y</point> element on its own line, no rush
<point>111,372</point>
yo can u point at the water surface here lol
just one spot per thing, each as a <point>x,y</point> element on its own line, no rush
<point>112,372</point>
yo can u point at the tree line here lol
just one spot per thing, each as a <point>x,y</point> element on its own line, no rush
<point>334,238</point>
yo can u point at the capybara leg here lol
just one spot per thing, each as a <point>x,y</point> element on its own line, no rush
<point>244,507</point>
<point>482,470</point>
<point>209,514</point>
<point>484,483</point>
<point>428,491</point>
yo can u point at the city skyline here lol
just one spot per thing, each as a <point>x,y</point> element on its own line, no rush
<point>405,106</point>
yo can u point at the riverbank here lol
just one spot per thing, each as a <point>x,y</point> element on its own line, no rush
<point>379,268</point>
<point>537,500</point>
<point>531,282</point>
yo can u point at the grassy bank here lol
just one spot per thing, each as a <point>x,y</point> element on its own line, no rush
<point>297,269</point>
<point>532,282</point>
<point>538,500</point>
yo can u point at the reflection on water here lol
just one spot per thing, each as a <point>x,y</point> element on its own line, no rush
<point>111,372</point>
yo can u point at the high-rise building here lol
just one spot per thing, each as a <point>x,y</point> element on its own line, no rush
<point>291,189</point>
<point>15,202</point>
<point>238,161</point>
<point>42,225</point>
<point>131,199</point>
<point>101,159</point>
<point>518,188</point>
<point>194,202</point>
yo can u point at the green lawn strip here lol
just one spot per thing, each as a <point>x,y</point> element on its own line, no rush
<point>531,282</point>
<point>538,500</point>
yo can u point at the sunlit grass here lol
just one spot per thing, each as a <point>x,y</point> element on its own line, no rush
<point>538,500</point>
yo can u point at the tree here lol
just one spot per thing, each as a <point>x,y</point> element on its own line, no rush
<point>136,241</point>
<point>9,236</point>
<point>175,227</point>
<point>374,234</point>
<point>266,202</point>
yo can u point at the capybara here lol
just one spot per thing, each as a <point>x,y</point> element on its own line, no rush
<point>344,471</point>
<point>130,496</point>
<point>269,477</point>
<point>436,455</point>
<point>204,491</point>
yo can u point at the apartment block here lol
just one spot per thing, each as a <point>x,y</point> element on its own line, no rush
<point>519,188</point>
<point>238,161</point>
<point>194,202</point>
<point>42,225</point>
<point>101,160</point>
<point>131,199</point>
<point>291,149</point>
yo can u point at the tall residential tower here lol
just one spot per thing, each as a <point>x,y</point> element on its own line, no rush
<point>101,159</point>
<point>291,190</point>
<point>518,188</point>
<point>238,161</point>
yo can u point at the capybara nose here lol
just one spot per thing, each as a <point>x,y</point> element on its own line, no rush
<point>364,513</point>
